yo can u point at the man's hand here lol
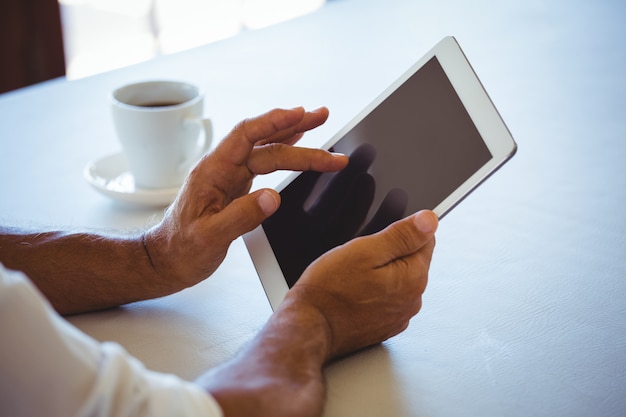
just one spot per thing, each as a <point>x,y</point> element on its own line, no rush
<point>214,207</point>
<point>83,271</point>
<point>369,288</point>
<point>357,295</point>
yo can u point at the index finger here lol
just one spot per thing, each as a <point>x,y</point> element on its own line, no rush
<point>273,126</point>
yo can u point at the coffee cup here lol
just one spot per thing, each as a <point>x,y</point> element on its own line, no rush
<point>158,124</point>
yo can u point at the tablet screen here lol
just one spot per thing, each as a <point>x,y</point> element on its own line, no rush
<point>409,153</point>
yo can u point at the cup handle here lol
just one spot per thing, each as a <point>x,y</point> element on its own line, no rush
<point>203,147</point>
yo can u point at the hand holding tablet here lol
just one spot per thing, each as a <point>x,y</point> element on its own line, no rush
<point>336,214</point>
<point>425,143</point>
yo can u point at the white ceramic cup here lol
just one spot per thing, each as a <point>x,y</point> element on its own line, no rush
<point>158,124</point>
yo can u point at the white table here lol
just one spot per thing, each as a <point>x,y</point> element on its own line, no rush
<point>525,313</point>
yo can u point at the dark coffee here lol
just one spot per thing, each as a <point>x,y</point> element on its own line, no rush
<point>160,104</point>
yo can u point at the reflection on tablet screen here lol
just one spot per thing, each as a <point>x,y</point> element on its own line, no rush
<point>408,154</point>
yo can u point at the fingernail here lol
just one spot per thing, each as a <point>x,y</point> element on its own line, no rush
<point>267,202</point>
<point>426,221</point>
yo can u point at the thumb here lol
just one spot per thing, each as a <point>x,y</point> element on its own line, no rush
<point>406,236</point>
<point>245,214</point>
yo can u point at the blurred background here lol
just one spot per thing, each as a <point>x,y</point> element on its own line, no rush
<point>45,39</point>
<point>101,35</point>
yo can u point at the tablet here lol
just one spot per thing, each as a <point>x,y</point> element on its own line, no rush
<point>425,143</point>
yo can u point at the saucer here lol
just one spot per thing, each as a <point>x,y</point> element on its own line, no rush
<point>111,176</point>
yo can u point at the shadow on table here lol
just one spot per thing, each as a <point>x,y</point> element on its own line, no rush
<point>364,384</point>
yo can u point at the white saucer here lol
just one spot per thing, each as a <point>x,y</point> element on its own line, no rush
<point>110,176</point>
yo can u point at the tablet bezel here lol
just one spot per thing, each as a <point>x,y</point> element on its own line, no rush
<point>481,110</point>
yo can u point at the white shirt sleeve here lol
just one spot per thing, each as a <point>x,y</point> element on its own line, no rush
<point>50,368</point>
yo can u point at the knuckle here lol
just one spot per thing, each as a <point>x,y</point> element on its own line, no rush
<point>402,238</point>
<point>274,154</point>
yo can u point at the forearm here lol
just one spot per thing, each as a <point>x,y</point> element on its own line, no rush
<point>80,272</point>
<point>280,372</point>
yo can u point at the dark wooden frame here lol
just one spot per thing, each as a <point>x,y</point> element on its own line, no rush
<point>31,43</point>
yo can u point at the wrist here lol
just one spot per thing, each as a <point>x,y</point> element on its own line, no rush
<point>159,252</point>
<point>307,325</point>
<point>280,372</point>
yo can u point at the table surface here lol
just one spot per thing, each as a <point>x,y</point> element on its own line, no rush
<point>525,313</point>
